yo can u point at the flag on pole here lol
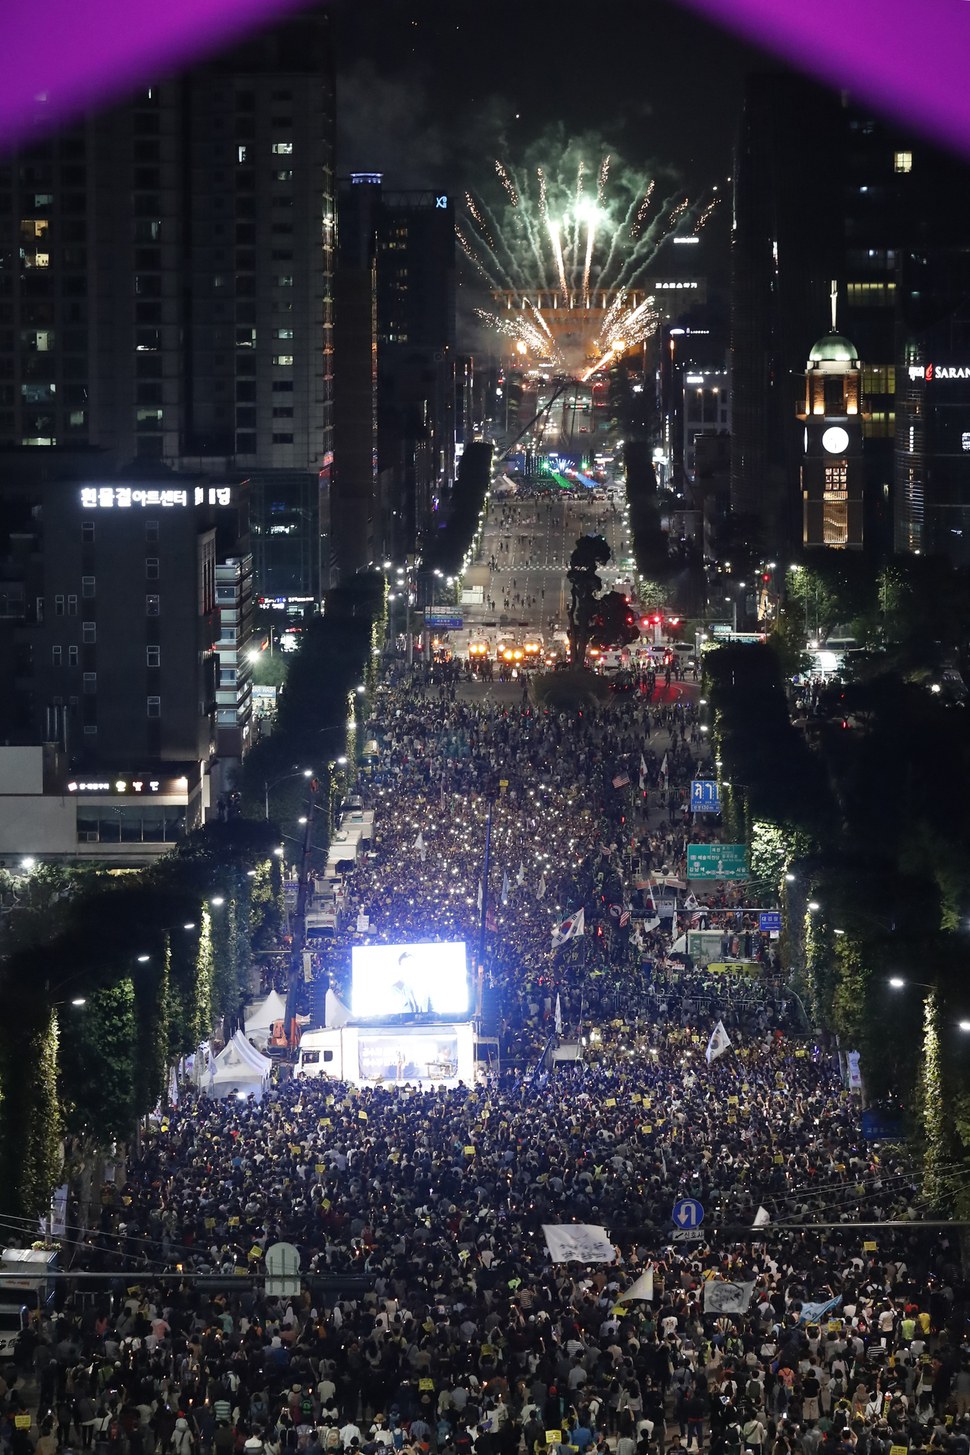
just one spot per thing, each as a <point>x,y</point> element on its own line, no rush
<point>815,1310</point>
<point>520,877</point>
<point>570,929</point>
<point>691,901</point>
<point>541,889</point>
<point>624,917</point>
<point>643,773</point>
<point>621,780</point>
<point>505,886</point>
<point>480,896</point>
<point>761,1218</point>
<point>420,847</point>
<point>718,1044</point>
<point>663,768</point>
<point>558,1016</point>
<point>642,1288</point>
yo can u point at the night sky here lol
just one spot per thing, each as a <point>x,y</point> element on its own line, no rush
<point>430,93</point>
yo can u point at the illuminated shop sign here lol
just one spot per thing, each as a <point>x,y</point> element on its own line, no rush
<point>123,497</point>
<point>129,785</point>
<point>939,371</point>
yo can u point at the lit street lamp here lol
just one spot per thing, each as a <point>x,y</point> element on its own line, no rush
<point>275,782</point>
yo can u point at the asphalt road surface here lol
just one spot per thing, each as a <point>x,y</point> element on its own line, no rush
<point>524,557</point>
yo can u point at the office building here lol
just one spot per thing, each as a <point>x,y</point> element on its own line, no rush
<point>126,613</point>
<point>396,325</point>
<point>824,191</point>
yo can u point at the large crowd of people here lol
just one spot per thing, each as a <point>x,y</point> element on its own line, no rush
<point>430,1318</point>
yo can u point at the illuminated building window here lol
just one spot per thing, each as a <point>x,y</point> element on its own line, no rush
<point>835,523</point>
<point>880,380</point>
<point>283,359</point>
<point>836,481</point>
<point>153,706</point>
<point>153,656</point>
<point>871,295</point>
<point>282,149</point>
<point>902,161</point>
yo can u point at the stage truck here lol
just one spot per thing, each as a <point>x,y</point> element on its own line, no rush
<point>409,1022</point>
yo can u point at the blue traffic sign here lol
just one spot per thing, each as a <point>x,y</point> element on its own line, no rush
<point>769,921</point>
<point>705,796</point>
<point>688,1213</point>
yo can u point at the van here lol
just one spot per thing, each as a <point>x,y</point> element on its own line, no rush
<point>31,1283</point>
<point>13,1321</point>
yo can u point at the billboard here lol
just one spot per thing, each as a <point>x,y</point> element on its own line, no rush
<point>419,979</point>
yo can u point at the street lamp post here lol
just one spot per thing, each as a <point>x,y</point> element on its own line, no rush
<point>299,918</point>
<point>275,782</point>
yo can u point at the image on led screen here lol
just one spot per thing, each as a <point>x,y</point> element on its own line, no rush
<point>390,980</point>
<point>422,1057</point>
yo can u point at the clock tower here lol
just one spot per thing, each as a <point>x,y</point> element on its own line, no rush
<point>831,469</point>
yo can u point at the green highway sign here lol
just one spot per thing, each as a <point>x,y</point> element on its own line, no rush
<point>717,861</point>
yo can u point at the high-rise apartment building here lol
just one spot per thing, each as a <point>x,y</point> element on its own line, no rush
<point>165,288</point>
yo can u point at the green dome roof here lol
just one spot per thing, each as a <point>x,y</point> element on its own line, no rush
<point>834,348</point>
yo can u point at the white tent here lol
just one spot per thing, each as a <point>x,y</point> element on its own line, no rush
<point>239,1067</point>
<point>262,1017</point>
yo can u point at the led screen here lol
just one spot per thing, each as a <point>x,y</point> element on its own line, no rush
<point>391,980</point>
<point>408,1057</point>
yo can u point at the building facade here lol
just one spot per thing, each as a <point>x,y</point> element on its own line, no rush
<point>873,207</point>
<point>832,475</point>
<point>166,287</point>
<point>126,612</point>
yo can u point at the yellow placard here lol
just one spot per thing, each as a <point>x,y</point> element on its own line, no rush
<point>646,1128</point>
<point>21,1422</point>
<point>869,1246</point>
<point>234,1222</point>
<point>779,1159</point>
<point>554,1437</point>
<point>732,1101</point>
<point>319,1168</point>
<point>210,1222</point>
<point>610,1101</point>
<point>636,1098</point>
<point>362,1116</point>
<point>469,1151</point>
<point>426,1384</point>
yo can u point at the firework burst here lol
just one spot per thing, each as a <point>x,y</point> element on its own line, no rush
<point>567,255</point>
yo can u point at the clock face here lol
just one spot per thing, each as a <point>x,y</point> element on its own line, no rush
<point>835,439</point>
